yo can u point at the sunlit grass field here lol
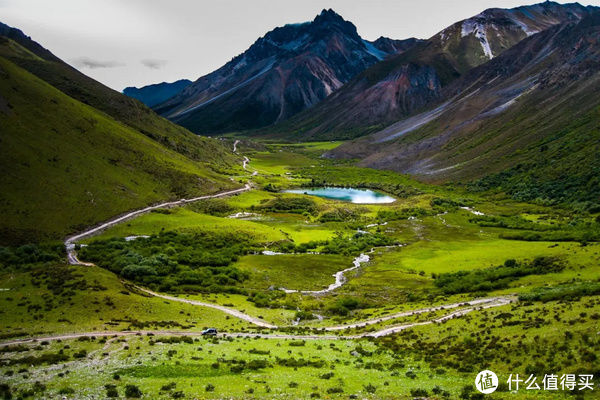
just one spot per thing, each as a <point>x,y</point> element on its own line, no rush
<point>436,360</point>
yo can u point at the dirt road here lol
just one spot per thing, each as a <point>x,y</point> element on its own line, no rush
<point>479,304</point>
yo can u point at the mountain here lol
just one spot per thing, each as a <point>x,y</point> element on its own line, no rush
<point>528,121</point>
<point>414,80</point>
<point>70,81</point>
<point>74,152</point>
<point>284,72</point>
<point>152,95</point>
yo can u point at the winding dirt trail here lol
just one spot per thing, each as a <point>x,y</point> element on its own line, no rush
<point>501,300</point>
<point>230,311</point>
<point>472,305</point>
<point>479,304</point>
<point>70,241</point>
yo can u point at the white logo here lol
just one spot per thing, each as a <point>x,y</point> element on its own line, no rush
<point>486,382</point>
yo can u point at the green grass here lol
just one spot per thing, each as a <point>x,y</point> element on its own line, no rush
<point>104,304</point>
<point>72,166</point>
<point>311,145</point>
<point>453,256</point>
<point>277,316</point>
<point>301,271</point>
<point>443,238</point>
<point>279,162</point>
<point>184,219</point>
<point>393,365</point>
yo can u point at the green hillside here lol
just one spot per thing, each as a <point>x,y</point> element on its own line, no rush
<point>525,123</point>
<point>32,57</point>
<point>67,165</point>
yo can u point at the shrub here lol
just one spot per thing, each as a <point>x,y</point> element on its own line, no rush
<point>294,205</point>
<point>261,352</point>
<point>370,388</point>
<point>66,390</point>
<point>133,391</point>
<point>217,207</point>
<point>5,391</point>
<point>257,364</point>
<point>562,292</point>
<point>327,375</point>
<point>209,388</point>
<point>419,392</point>
<point>111,391</point>
<point>134,271</point>
<point>169,386</point>
<point>340,215</point>
<point>304,315</point>
<point>496,277</point>
<point>236,369</point>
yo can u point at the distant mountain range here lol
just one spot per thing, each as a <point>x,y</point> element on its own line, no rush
<point>507,100</point>
<point>415,80</point>
<point>527,121</point>
<point>284,72</point>
<point>152,95</point>
<point>283,78</point>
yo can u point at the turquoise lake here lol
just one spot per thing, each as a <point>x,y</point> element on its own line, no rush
<point>358,196</point>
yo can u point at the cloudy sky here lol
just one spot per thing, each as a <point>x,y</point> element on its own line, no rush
<point>137,42</point>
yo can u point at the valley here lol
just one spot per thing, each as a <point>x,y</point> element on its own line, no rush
<point>103,318</point>
<point>323,216</point>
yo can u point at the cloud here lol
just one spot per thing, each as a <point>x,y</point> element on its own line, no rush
<point>154,64</point>
<point>86,62</point>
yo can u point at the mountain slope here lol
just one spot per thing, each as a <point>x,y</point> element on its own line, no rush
<point>66,165</point>
<point>288,70</point>
<point>152,95</point>
<point>131,112</point>
<point>532,115</point>
<point>415,79</point>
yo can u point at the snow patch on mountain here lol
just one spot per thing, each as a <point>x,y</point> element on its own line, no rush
<point>472,26</point>
<point>289,45</point>
<point>374,51</point>
<point>528,31</point>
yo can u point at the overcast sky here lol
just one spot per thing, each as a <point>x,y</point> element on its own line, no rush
<point>138,42</point>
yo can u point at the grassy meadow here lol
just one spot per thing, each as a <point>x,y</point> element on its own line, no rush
<point>433,246</point>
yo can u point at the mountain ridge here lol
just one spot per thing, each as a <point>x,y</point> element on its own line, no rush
<point>526,121</point>
<point>157,93</point>
<point>287,70</point>
<point>414,80</point>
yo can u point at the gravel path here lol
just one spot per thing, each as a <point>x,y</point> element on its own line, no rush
<point>476,302</point>
<point>479,304</point>
<point>339,281</point>
<point>230,311</point>
<point>70,241</point>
